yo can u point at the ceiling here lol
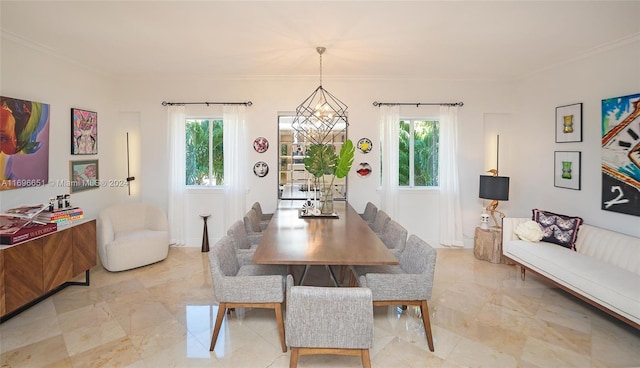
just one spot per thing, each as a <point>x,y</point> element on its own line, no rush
<point>477,40</point>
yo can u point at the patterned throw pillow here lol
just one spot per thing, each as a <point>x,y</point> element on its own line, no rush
<point>558,229</point>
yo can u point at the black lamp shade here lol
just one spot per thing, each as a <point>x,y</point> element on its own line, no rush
<point>494,187</point>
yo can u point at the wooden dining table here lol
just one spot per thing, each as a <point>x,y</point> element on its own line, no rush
<point>343,241</point>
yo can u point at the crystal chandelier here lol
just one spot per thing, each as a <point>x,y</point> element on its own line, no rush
<point>318,115</point>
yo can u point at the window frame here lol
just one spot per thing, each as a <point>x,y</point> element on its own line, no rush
<point>210,134</point>
<point>411,121</point>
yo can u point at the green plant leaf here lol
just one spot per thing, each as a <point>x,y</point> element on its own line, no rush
<point>345,159</point>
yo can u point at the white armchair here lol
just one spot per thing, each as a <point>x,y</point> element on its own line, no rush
<point>132,235</point>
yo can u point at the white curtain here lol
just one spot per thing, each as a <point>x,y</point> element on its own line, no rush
<point>235,163</point>
<point>450,213</point>
<point>177,175</point>
<point>389,144</point>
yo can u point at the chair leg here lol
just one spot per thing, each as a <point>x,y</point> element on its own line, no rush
<point>293,361</point>
<point>279,321</point>
<point>222,307</point>
<point>424,309</point>
<point>366,359</point>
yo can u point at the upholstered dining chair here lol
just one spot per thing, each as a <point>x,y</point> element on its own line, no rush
<point>380,220</point>
<point>369,214</point>
<point>252,223</point>
<point>329,320</point>
<point>410,283</point>
<point>244,286</point>
<point>245,244</point>
<point>263,217</point>
<point>394,236</point>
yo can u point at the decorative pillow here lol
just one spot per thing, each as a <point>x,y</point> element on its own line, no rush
<point>529,231</point>
<point>558,229</point>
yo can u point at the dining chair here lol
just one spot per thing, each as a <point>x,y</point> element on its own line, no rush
<point>252,224</point>
<point>245,244</point>
<point>380,220</point>
<point>328,320</point>
<point>394,236</point>
<point>244,286</point>
<point>409,283</point>
<point>261,215</point>
<point>369,214</point>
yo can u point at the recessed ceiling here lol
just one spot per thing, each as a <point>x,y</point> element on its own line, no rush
<point>364,39</point>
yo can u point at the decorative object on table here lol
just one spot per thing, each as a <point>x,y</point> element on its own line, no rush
<point>83,175</point>
<point>621,154</point>
<point>323,163</point>
<point>84,132</point>
<point>14,230</point>
<point>567,169</point>
<point>569,123</point>
<point>24,146</point>
<point>364,169</point>
<point>261,144</point>
<point>484,221</point>
<point>61,216</point>
<point>365,145</point>
<point>205,234</point>
<point>319,113</point>
<point>495,188</point>
<point>260,169</point>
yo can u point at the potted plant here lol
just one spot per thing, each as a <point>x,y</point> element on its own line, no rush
<point>325,165</point>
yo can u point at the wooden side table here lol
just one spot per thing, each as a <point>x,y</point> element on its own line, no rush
<point>487,246</point>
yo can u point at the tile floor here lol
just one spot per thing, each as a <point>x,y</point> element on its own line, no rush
<point>162,315</point>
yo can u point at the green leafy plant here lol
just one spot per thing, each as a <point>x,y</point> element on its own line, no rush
<point>322,160</point>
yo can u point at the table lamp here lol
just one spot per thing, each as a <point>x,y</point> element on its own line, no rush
<point>496,188</point>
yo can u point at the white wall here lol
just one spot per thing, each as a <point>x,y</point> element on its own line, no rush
<point>610,73</point>
<point>523,113</point>
<point>419,209</point>
<point>31,74</point>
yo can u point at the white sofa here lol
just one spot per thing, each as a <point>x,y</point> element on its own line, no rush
<point>603,271</point>
<point>132,235</point>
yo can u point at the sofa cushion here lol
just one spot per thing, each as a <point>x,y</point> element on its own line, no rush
<point>530,231</point>
<point>558,229</point>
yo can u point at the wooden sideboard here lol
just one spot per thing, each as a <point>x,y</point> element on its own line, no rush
<point>35,269</point>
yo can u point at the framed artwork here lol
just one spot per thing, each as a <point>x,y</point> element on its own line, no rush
<point>621,154</point>
<point>260,169</point>
<point>569,123</point>
<point>567,170</point>
<point>261,144</point>
<point>365,145</point>
<point>83,175</point>
<point>84,132</point>
<point>24,143</point>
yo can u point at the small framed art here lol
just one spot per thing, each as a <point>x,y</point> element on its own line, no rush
<point>84,132</point>
<point>567,170</point>
<point>569,123</point>
<point>83,175</point>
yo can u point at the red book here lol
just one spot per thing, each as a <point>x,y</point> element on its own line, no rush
<point>26,232</point>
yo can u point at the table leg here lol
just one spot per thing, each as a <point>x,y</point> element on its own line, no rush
<point>332,275</point>
<point>304,274</point>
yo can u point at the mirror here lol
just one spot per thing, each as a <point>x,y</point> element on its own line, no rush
<point>294,181</point>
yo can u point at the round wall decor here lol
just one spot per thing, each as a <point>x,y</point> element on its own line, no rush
<point>364,169</point>
<point>261,144</point>
<point>364,145</point>
<point>261,169</point>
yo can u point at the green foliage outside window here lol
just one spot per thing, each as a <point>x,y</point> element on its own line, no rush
<point>204,152</point>
<point>425,142</point>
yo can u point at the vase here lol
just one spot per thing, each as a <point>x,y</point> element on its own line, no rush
<point>326,200</point>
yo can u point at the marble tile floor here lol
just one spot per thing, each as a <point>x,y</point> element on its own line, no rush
<point>162,315</point>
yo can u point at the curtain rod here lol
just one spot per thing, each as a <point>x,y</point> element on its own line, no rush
<point>417,104</point>
<point>165,103</point>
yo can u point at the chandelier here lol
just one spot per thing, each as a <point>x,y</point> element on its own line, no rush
<point>318,115</point>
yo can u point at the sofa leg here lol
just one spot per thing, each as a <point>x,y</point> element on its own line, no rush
<point>522,273</point>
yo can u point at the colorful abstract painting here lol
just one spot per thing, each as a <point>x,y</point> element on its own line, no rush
<point>24,143</point>
<point>84,132</point>
<point>621,154</point>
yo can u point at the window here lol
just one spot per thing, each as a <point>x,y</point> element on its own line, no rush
<point>418,156</point>
<point>204,155</point>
